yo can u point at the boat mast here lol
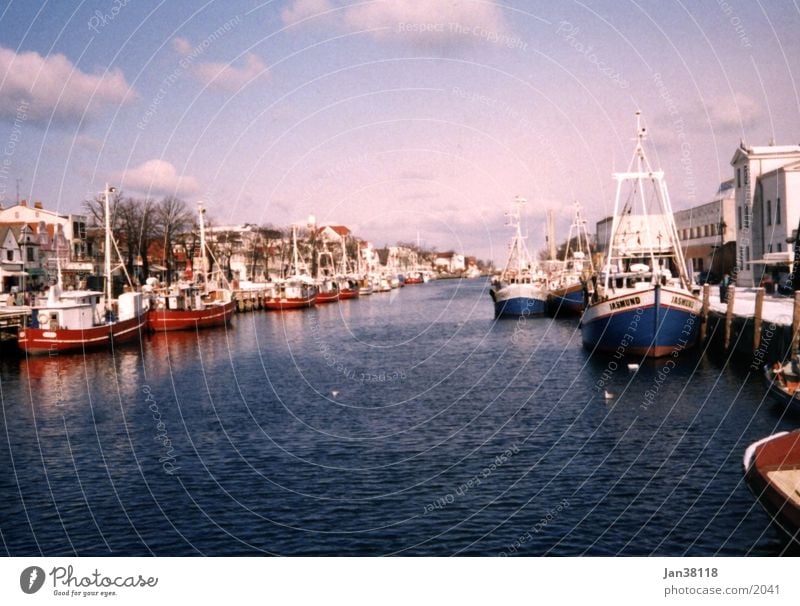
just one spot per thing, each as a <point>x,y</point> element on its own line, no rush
<point>294,251</point>
<point>643,164</point>
<point>518,248</point>
<point>107,213</point>
<point>204,264</point>
<point>344,255</point>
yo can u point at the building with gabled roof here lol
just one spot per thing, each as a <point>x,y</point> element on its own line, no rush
<point>767,195</point>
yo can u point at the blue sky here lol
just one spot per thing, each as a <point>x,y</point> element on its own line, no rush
<point>392,117</point>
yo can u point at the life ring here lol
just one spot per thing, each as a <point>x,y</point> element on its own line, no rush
<point>44,320</point>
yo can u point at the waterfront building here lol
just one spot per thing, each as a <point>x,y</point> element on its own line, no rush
<point>707,233</point>
<point>41,235</point>
<point>767,195</point>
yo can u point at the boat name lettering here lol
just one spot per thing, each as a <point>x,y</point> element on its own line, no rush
<point>683,302</point>
<point>622,303</point>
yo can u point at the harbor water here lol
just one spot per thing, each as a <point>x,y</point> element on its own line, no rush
<point>406,423</point>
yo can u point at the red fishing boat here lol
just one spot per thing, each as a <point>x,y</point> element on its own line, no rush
<point>184,308</point>
<point>187,306</point>
<point>772,471</point>
<point>295,292</point>
<point>84,319</point>
<point>348,287</point>
<point>292,294</point>
<point>74,321</point>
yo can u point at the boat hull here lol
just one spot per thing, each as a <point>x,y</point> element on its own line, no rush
<point>161,320</point>
<point>651,322</point>
<point>327,297</point>
<point>284,304</point>
<point>764,462</point>
<point>518,300</point>
<point>348,293</point>
<point>566,301</point>
<point>43,341</point>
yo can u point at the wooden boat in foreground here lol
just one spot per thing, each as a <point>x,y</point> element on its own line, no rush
<point>772,471</point>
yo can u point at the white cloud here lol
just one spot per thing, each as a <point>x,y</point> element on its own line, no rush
<point>182,46</point>
<point>429,23</point>
<point>301,9</point>
<point>53,88</point>
<point>228,77</point>
<point>157,177</point>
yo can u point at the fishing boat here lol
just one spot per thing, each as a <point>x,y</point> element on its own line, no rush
<point>772,472</point>
<point>79,320</point>
<point>327,285</point>
<point>519,290</point>
<point>783,383</point>
<point>642,302</point>
<point>296,291</point>
<point>345,278</point>
<point>566,293</point>
<point>189,306</point>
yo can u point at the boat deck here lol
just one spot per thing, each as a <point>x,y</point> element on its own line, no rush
<point>788,482</point>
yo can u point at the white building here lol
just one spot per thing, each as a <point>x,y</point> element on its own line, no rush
<point>767,194</point>
<point>708,233</point>
<point>41,236</point>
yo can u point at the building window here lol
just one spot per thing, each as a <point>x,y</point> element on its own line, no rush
<point>778,211</point>
<point>30,255</point>
<point>746,174</point>
<point>769,212</point>
<point>738,177</point>
<point>747,254</point>
<point>769,248</point>
<point>780,247</point>
<point>9,255</point>
<point>738,217</point>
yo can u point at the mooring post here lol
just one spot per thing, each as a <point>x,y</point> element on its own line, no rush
<point>704,317</point>
<point>757,319</point>
<point>729,316</point>
<point>795,322</point>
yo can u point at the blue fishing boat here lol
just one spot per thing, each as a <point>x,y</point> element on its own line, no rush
<point>519,290</point>
<point>566,292</point>
<point>642,303</point>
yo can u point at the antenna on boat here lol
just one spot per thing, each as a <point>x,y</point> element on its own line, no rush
<point>201,211</point>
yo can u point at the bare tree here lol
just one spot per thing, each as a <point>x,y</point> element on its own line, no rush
<point>173,219</point>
